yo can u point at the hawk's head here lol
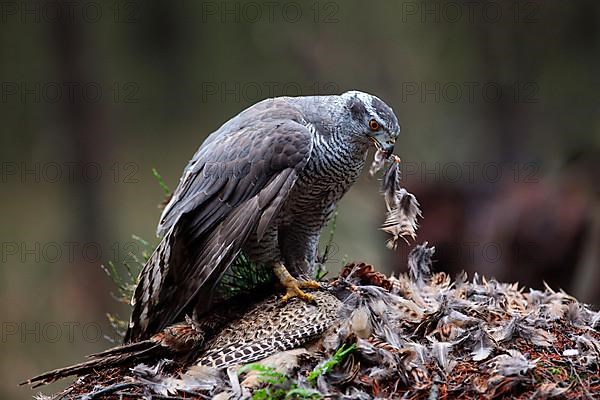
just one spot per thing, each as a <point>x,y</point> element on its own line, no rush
<point>372,119</point>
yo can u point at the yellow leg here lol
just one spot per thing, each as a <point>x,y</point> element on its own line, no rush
<point>293,286</point>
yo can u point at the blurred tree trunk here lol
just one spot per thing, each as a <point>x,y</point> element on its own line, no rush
<point>83,122</point>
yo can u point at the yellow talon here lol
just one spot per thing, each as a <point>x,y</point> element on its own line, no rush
<point>309,284</point>
<point>293,286</point>
<point>292,292</point>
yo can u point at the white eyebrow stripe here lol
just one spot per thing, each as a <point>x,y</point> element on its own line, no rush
<point>366,100</point>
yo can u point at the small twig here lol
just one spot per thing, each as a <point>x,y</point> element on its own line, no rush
<point>330,240</point>
<point>107,390</point>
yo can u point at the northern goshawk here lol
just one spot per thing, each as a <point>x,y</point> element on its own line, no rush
<point>265,183</point>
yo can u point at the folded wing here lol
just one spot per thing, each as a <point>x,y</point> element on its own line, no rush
<point>233,186</point>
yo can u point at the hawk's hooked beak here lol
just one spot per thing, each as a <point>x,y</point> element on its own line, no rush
<point>384,142</point>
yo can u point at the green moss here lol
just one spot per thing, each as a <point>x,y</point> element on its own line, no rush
<point>278,386</point>
<point>328,365</point>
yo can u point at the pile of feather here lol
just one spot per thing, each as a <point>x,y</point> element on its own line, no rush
<point>417,336</point>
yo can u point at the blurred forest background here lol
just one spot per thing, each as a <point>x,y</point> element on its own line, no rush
<point>498,102</point>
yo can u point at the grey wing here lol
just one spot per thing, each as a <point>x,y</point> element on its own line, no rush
<point>231,150</point>
<point>235,184</point>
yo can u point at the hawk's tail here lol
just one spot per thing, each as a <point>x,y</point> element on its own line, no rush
<point>176,342</point>
<point>108,359</point>
<point>148,289</point>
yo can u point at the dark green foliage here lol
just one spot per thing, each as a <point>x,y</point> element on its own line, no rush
<point>126,279</point>
<point>278,386</point>
<point>245,277</point>
<point>328,365</point>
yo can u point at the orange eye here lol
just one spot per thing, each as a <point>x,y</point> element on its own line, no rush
<point>374,125</point>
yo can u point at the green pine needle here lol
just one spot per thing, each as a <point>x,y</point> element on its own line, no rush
<point>125,279</point>
<point>330,240</point>
<point>244,277</point>
<point>161,182</point>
